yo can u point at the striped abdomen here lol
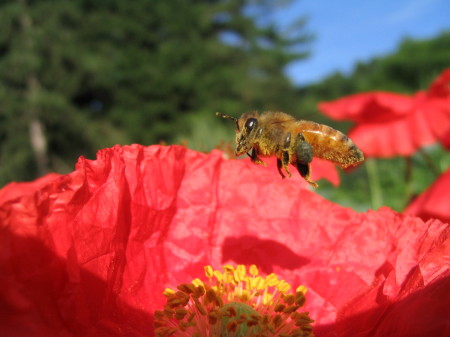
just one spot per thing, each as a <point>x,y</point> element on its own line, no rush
<point>330,144</point>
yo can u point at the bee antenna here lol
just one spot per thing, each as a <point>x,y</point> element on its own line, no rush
<point>228,117</point>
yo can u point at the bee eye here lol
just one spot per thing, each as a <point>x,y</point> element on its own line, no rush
<point>250,124</point>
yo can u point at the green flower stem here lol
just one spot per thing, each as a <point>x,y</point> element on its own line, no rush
<point>376,194</point>
<point>430,163</point>
<point>408,180</point>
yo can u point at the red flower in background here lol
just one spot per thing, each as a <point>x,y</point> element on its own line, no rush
<point>395,125</point>
<point>434,203</point>
<point>445,141</point>
<point>90,253</point>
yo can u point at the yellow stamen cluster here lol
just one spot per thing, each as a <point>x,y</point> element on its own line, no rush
<point>234,303</point>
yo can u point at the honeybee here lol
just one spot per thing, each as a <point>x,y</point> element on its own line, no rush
<point>292,141</point>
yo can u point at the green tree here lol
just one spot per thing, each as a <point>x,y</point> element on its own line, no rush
<point>79,75</point>
<point>41,73</point>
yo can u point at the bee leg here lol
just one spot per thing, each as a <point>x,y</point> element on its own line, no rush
<point>304,152</point>
<point>279,166</point>
<point>285,162</point>
<point>305,171</point>
<point>285,156</point>
<point>255,159</point>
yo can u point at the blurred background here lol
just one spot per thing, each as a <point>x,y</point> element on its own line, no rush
<point>77,76</point>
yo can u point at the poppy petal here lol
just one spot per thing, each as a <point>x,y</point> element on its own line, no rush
<point>434,202</point>
<point>395,125</point>
<point>90,253</point>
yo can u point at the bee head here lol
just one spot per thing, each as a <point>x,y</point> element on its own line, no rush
<point>246,130</point>
<point>246,134</point>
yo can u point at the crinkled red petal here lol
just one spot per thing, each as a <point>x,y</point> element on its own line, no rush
<point>90,253</point>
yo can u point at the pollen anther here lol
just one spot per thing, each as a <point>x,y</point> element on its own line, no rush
<point>238,301</point>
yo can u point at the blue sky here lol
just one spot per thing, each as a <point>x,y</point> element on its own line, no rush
<point>348,31</point>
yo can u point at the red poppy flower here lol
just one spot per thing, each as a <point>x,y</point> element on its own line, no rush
<point>445,141</point>
<point>90,253</point>
<point>434,202</point>
<point>391,124</point>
